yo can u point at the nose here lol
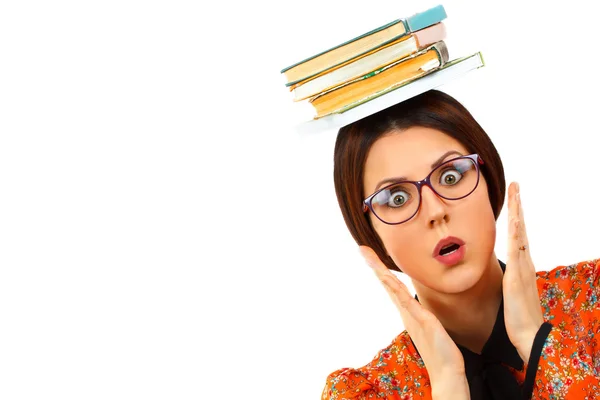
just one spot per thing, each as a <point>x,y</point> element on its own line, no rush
<point>433,207</point>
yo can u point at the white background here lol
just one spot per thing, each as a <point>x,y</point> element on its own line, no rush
<point>164,232</point>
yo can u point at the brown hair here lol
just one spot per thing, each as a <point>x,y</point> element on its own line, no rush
<point>432,109</point>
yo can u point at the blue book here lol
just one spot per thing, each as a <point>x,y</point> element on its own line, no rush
<point>363,44</point>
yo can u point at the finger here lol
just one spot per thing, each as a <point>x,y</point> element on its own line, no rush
<point>373,261</point>
<point>518,243</point>
<point>513,209</point>
<point>515,237</point>
<point>523,228</point>
<point>524,239</point>
<point>394,291</point>
<point>512,220</point>
<point>406,301</point>
<point>520,230</point>
<point>410,309</point>
<point>378,267</point>
<point>398,293</point>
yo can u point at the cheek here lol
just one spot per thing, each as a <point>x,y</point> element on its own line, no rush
<point>472,220</point>
<point>479,217</point>
<point>403,243</point>
<point>393,237</point>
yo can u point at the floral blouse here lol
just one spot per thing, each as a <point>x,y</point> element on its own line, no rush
<point>567,365</point>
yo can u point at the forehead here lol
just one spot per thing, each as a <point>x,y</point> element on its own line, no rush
<point>408,153</point>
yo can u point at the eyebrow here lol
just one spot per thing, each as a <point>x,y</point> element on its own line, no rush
<point>434,165</point>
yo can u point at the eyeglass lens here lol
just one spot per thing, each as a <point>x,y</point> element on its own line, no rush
<point>400,201</point>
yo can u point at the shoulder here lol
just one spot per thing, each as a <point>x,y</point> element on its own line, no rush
<point>584,273</point>
<point>395,370</point>
<point>399,368</point>
<point>569,289</point>
<point>403,352</point>
<point>399,356</point>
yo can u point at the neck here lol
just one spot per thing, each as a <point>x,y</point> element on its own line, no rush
<point>469,316</point>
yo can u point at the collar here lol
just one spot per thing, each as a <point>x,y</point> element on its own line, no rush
<point>498,346</point>
<point>487,376</point>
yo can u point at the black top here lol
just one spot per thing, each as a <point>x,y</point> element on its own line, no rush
<point>487,374</point>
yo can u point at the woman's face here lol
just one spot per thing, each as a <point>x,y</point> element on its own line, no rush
<point>411,153</point>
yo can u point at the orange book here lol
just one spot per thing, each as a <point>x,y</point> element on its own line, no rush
<point>380,81</point>
<point>369,62</point>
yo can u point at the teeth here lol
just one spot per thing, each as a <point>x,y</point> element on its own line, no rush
<point>453,251</point>
<point>443,249</point>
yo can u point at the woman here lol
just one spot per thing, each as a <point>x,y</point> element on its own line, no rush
<point>478,328</point>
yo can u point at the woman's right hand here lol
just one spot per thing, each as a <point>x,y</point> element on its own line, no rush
<point>443,360</point>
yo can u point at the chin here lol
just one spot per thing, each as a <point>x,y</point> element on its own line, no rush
<point>460,278</point>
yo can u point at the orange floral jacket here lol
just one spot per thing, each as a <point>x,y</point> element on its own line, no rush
<point>569,357</point>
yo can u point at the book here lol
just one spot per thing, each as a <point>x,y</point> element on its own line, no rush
<point>381,81</point>
<point>362,44</point>
<point>369,62</point>
<point>449,72</point>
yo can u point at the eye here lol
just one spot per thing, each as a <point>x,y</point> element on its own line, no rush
<point>398,198</point>
<point>450,177</point>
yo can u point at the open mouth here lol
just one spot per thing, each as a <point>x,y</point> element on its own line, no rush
<point>451,248</point>
<point>450,251</point>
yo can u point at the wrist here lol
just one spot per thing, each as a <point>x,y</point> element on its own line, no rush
<point>451,395</point>
<point>525,344</point>
<point>524,350</point>
<point>451,388</point>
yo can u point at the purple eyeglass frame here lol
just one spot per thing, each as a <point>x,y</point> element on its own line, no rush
<point>367,205</point>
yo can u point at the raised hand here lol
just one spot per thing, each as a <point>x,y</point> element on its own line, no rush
<point>443,360</point>
<point>522,311</point>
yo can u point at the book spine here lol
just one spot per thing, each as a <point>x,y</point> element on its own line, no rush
<point>404,34</point>
<point>413,23</point>
<point>352,70</point>
<point>348,42</point>
<point>430,35</point>
<point>426,18</point>
<point>375,72</point>
<point>442,50</point>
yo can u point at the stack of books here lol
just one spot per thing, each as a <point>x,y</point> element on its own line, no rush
<point>398,55</point>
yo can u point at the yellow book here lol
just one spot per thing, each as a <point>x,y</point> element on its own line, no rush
<point>381,81</point>
<point>451,71</point>
<point>362,44</point>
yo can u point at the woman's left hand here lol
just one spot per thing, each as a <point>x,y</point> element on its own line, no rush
<point>522,311</point>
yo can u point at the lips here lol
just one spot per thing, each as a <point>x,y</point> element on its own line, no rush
<point>446,242</point>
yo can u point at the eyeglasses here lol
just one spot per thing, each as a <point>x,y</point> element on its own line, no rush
<point>398,202</point>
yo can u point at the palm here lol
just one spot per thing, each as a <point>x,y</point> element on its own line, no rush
<point>522,312</point>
